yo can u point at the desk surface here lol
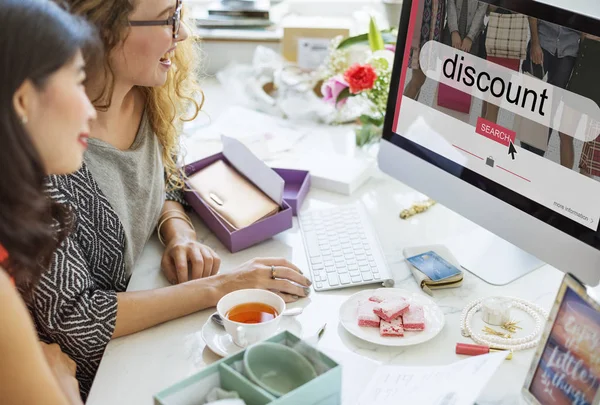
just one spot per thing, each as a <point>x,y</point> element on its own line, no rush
<point>136,367</point>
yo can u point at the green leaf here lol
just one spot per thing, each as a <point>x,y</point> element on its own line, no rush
<point>344,94</point>
<point>367,119</point>
<point>388,36</point>
<point>375,39</point>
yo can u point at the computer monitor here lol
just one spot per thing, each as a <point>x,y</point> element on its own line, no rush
<point>475,122</point>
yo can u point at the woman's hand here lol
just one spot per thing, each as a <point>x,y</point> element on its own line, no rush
<point>63,369</point>
<point>467,43</point>
<point>184,253</point>
<point>257,274</point>
<point>456,40</point>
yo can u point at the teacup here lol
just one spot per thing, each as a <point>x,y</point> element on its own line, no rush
<point>244,334</point>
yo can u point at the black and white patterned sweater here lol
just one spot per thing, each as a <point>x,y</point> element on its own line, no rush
<point>75,302</point>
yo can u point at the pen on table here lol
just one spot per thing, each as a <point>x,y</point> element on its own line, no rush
<point>474,350</point>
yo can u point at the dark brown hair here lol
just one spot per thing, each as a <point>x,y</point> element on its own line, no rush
<point>38,38</point>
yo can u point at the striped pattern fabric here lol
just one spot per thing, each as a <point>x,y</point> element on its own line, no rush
<point>75,302</point>
<point>507,36</point>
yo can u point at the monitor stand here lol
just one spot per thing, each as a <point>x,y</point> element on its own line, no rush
<point>491,258</point>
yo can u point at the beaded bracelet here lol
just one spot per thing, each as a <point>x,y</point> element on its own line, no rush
<point>535,311</point>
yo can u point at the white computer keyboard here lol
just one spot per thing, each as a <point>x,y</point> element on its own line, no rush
<point>342,248</point>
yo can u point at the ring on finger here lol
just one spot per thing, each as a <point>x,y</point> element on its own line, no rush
<point>273,272</point>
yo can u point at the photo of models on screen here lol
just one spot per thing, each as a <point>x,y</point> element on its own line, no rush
<point>564,59</point>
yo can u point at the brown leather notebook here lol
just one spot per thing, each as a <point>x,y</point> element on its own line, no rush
<point>237,201</point>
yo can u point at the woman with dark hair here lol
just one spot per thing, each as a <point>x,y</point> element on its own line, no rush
<point>44,121</point>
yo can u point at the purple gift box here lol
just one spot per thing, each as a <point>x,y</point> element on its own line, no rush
<point>297,184</point>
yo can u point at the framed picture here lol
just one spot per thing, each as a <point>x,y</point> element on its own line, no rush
<point>566,366</point>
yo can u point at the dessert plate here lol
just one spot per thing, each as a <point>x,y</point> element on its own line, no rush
<point>434,318</point>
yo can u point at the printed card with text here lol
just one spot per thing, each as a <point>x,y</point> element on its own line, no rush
<point>568,371</point>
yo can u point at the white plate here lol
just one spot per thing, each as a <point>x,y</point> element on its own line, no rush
<point>220,342</point>
<point>434,318</point>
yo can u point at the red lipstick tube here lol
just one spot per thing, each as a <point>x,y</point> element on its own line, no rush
<point>475,350</point>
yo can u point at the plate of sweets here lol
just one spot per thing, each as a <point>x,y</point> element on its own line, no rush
<point>391,317</point>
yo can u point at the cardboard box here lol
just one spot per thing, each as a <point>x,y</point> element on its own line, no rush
<point>306,38</point>
<point>227,373</point>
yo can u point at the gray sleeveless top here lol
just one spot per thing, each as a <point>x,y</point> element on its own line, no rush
<point>133,182</point>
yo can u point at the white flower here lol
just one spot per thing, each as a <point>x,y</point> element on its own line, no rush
<point>384,55</point>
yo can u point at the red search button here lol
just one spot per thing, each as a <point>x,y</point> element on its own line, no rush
<point>495,132</point>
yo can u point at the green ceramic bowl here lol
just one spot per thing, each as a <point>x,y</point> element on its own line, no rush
<point>277,368</point>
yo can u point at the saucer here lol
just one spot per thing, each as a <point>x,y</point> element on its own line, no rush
<point>220,342</point>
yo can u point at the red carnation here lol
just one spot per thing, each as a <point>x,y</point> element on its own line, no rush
<point>360,77</point>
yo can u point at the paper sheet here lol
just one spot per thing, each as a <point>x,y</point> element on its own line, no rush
<point>264,134</point>
<point>455,384</point>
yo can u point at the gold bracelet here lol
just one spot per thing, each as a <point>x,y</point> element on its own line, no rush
<point>168,211</point>
<point>183,218</point>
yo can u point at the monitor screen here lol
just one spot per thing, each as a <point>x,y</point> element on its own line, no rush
<point>506,97</point>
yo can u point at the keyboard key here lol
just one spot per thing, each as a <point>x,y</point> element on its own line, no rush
<point>312,245</point>
<point>319,285</point>
<point>367,276</point>
<point>338,254</point>
<point>316,260</point>
<point>356,279</point>
<point>340,265</point>
<point>352,267</point>
<point>344,278</point>
<point>362,263</point>
<point>318,266</point>
<point>355,273</point>
<point>333,279</point>
<point>376,276</point>
<point>330,269</point>
<point>365,269</point>
<point>342,270</point>
<point>328,262</point>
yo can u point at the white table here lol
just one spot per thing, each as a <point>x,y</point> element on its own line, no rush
<point>136,367</point>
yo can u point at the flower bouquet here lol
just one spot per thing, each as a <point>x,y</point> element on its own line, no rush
<point>361,66</point>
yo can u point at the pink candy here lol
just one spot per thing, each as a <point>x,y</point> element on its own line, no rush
<point>414,319</point>
<point>366,316</point>
<point>389,310</point>
<point>393,328</point>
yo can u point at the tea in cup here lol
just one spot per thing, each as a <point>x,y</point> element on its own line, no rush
<point>250,315</point>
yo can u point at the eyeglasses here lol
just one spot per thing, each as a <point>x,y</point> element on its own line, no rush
<point>175,21</point>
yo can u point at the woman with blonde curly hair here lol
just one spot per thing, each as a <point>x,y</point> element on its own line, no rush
<point>128,186</point>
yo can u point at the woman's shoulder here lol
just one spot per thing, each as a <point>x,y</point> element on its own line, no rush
<point>64,187</point>
<point>8,292</point>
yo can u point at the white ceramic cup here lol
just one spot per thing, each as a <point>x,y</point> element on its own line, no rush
<point>244,334</point>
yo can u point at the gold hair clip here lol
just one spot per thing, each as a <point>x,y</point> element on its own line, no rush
<point>511,326</point>
<point>417,208</point>
<point>490,331</point>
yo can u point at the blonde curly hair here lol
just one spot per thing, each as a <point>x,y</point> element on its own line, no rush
<point>167,106</point>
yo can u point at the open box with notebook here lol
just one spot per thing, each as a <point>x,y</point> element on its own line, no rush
<point>241,199</point>
<point>231,374</point>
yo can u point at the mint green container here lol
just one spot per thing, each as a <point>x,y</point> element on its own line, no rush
<point>228,374</point>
